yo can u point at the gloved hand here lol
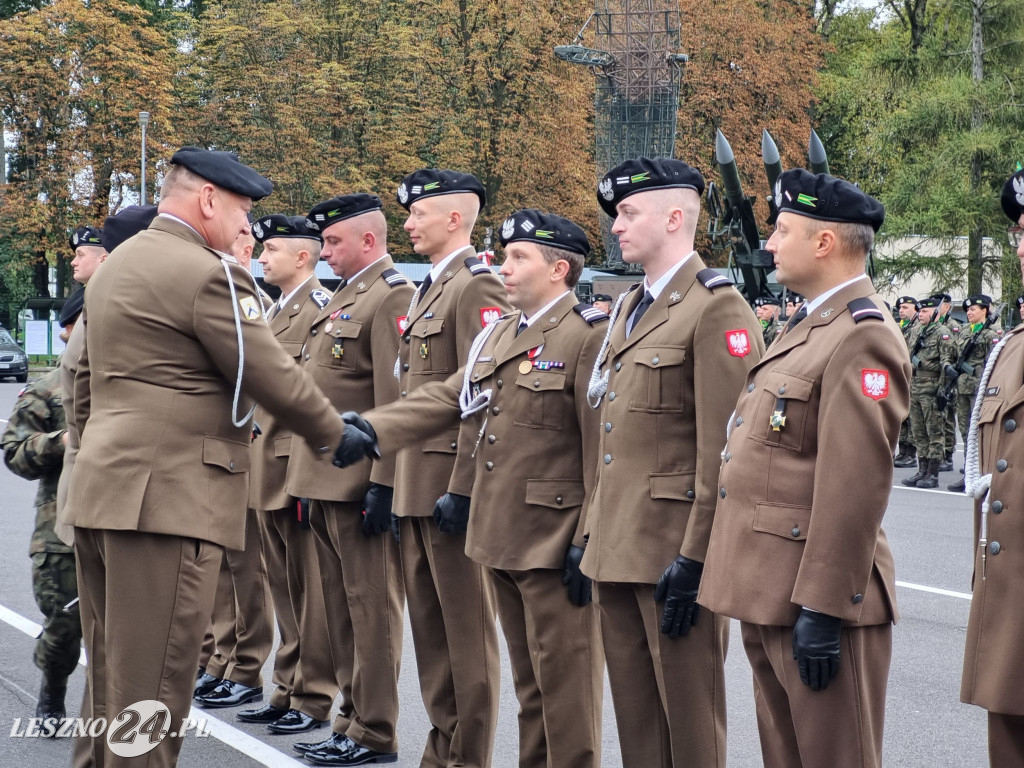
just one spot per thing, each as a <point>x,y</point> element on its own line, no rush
<point>451,513</point>
<point>816,648</point>
<point>579,585</point>
<point>678,588</point>
<point>359,441</point>
<point>302,513</point>
<point>377,509</point>
<point>396,529</point>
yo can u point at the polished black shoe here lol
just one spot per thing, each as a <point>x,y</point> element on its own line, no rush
<point>205,683</point>
<point>294,721</point>
<point>334,739</point>
<point>229,694</point>
<point>265,714</point>
<point>350,753</point>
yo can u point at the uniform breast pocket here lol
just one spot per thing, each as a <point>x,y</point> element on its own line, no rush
<point>782,412</point>
<point>293,348</point>
<point>660,385</point>
<point>428,353</point>
<point>341,351</point>
<point>542,391</point>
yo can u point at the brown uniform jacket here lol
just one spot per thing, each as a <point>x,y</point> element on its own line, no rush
<point>993,661</point>
<point>155,385</point>
<point>440,332</point>
<point>68,370</point>
<point>272,447</point>
<point>350,352</point>
<point>800,514</point>
<point>535,459</point>
<point>671,387</point>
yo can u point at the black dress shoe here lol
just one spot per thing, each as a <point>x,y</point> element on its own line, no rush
<point>205,683</point>
<point>332,740</point>
<point>265,714</point>
<point>294,721</point>
<point>350,753</point>
<point>230,694</point>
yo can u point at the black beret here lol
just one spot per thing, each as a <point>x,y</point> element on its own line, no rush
<point>929,302</point>
<point>762,301</point>
<point>827,198</point>
<point>127,223</point>
<point>430,182</point>
<point>794,298</point>
<point>978,300</point>
<point>225,170</point>
<point>86,236</point>
<point>908,300</point>
<point>601,297</point>
<point>1012,198</point>
<point>322,215</point>
<point>533,226</point>
<point>72,307</point>
<point>1020,301</point>
<point>943,297</point>
<point>278,225</point>
<point>642,174</point>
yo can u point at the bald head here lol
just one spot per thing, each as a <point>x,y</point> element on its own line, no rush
<point>442,224</point>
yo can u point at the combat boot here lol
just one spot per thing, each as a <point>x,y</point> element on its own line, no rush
<point>960,486</point>
<point>946,463</point>
<point>909,458</point>
<point>900,455</point>
<point>922,471</point>
<point>51,699</point>
<point>931,477</point>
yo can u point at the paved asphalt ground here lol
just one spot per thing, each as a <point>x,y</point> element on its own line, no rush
<point>926,725</point>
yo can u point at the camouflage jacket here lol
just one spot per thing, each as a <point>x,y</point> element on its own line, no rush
<point>936,351</point>
<point>33,446</point>
<point>967,383</point>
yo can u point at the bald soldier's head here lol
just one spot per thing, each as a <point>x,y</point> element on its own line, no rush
<point>443,206</point>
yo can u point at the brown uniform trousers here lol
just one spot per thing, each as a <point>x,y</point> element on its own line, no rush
<point>532,470</point>
<point>350,351</point>
<point>451,606</point>
<point>993,664</point>
<point>672,383</point>
<point>159,485</point>
<point>304,675</point>
<point>789,533</point>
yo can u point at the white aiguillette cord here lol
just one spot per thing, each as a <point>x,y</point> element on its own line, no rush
<point>599,382</point>
<point>467,402</point>
<point>408,318</point>
<point>241,345</point>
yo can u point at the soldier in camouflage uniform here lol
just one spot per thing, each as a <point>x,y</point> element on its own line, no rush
<point>972,347</point>
<point>33,446</point>
<point>907,307</point>
<point>931,351</point>
<point>767,309</point>
<point>949,427</point>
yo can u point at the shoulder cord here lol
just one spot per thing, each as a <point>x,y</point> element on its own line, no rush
<point>598,381</point>
<point>467,402</point>
<point>408,318</point>
<point>241,350</point>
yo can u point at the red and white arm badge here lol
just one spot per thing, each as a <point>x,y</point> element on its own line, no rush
<point>738,342</point>
<point>874,384</point>
<point>489,315</point>
<point>403,323</point>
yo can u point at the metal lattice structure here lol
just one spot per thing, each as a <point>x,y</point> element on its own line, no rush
<point>638,74</point>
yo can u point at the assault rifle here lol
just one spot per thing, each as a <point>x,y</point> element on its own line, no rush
<point>947,394</point>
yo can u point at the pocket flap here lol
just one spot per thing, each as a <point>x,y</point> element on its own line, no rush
<point>483,370</point>
<point>293,348</point>
<point>542,381</point>
<point>789,386</point>
<point>444,444</point>
<point>346,329</point>
<point>989,409</point>
<point>556,494</point>
<point>282,446</point>
<point>424,328</point>
<point>234,457</point>
<point>790,522</point>
<point>659,356</point>
<point>673,485</point>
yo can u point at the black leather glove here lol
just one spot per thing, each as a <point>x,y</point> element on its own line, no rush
<point>358,442</point>
<point>451,513</point>
<point>816,648</point>
<point>678,588</point>
<point>302,513</point>
<point>580,589</point>
<point>377,509</point>
<point>396,528</point>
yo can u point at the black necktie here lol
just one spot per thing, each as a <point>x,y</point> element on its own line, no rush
<point>425,285</point>
<point>641,309</point>
<point>800,315</point>
<point>522,327</point>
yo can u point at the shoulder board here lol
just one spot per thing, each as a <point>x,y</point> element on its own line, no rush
<point>320,297</point>
<point>476,266</point>
<point>711,279</point>
<point>590,313</point>
<point>394,277</point>
<point>864,309</point>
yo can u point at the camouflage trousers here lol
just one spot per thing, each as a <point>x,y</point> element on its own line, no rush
<point>964,406</point>
<point>926,421</point>
<point>54,585</point>
<point>949,428</point>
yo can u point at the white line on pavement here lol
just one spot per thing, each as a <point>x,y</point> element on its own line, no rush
<point>933,590</point>
<point>961,494</point>
<point>228,734</point>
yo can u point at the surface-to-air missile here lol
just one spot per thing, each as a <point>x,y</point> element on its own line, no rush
<point>772,169</point>
<point>816,154</point>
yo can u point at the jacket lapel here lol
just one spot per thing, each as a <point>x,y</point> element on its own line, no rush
<point>437,287</point>
<point>533,335</point>
<point>658,313</point>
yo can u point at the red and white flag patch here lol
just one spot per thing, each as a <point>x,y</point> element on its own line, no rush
<point>489,315</point>
<point>738,342</point>
<point>874,384</point>
<point>403,323</point>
